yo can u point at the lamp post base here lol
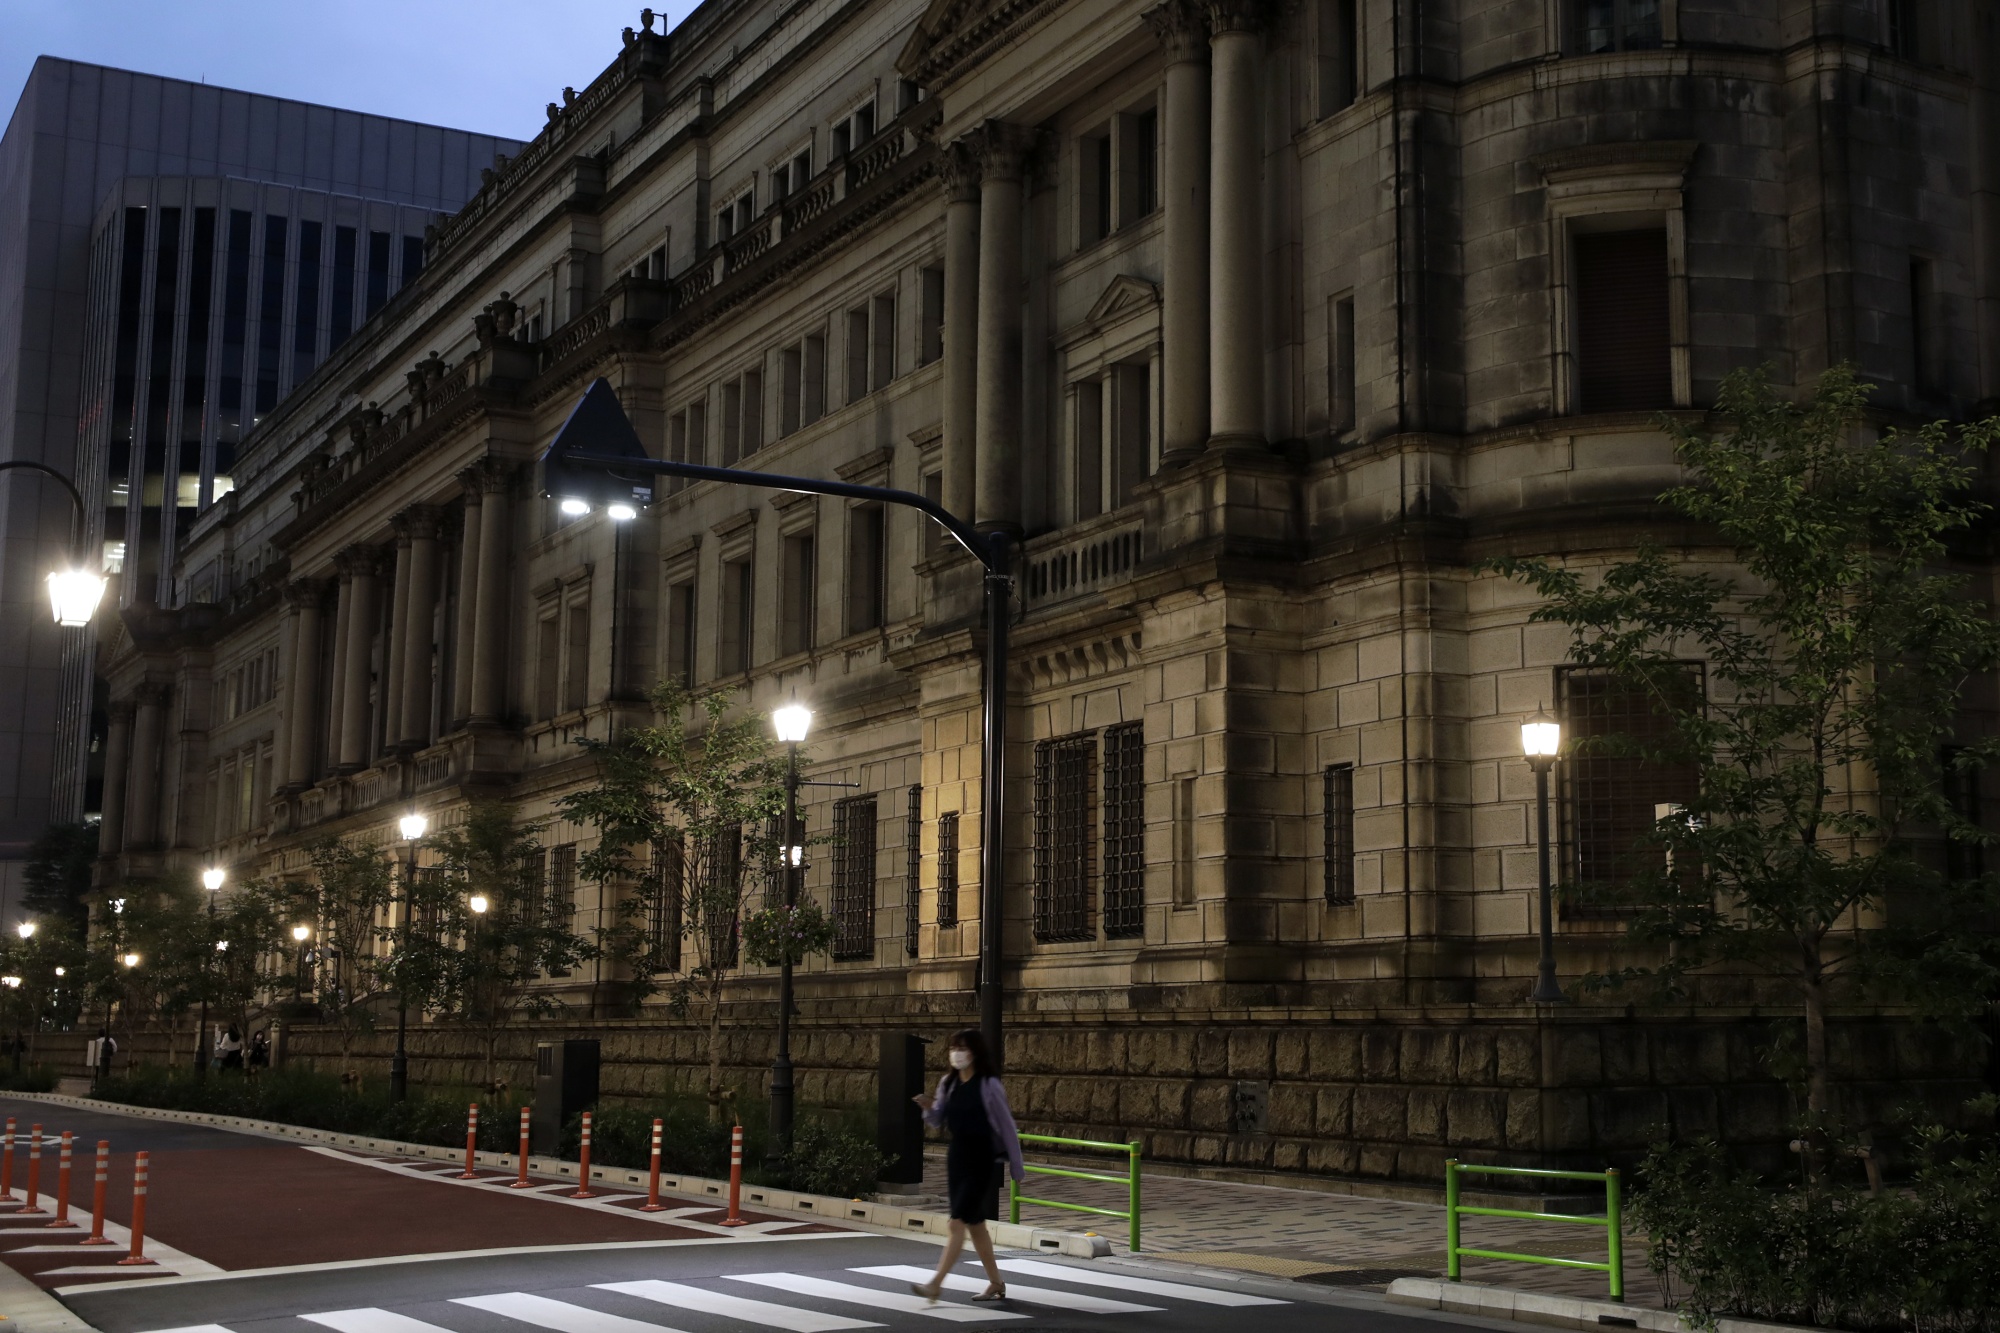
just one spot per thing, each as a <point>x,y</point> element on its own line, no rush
<point>781,1110</point>
<point>1547,989</point>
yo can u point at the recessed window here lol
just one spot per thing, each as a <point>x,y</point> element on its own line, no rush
<point>798,574</point>
<point>1617,25</point>
<point>739,608</point>
<point>930,341</point>
<point>913,868</point>
<point>1337,833</point>
<point>947,853</point>
<point>854,877</point>
<point>1340,365</point>
<point>1065,824</point>
<point>1339,52</point>
<point>1613,800</point>
<point>1124,831</point>
<point>1622,328</point>
<point>867,565</point>
<point>681,631</point>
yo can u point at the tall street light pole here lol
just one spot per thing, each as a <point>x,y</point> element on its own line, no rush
<point>74,592</point>
<point>412,828</point>
<point>211,879</point>
<point>792,723</point>
<point>1541,741</point>
<point>597,460</point>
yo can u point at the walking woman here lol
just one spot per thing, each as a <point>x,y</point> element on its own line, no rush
<point>971,1104</point>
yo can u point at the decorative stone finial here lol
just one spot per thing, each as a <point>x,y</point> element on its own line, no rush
<point>646,19</point>
<point>555,113</point>
<point>569,97</point>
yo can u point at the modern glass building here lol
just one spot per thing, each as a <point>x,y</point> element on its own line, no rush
<point>143,324</point>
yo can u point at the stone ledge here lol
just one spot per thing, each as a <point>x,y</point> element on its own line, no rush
<point>1535,1307</point>
<point>885,1218</point>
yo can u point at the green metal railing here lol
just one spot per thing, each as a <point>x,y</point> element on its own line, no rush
<point>1612,1221</point>
<point>1130,1151</point>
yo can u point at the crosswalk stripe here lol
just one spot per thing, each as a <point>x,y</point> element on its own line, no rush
<point>899,1301</point>
<point>558,1315</point>
<point>194,1328</point>
<point>742,1308</point>
<point>1144,1285</point>
<point>369,1319</point>
<point>1061,1300</point>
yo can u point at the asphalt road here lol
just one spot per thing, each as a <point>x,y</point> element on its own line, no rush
<point>822,1284</point>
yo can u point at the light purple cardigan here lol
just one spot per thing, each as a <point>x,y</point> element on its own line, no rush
<point>998,1116</point>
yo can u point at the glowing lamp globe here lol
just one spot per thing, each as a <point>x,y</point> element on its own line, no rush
<point>131,960</point>
<point>302,933</point>
<point>211,879</point>
<point>1541,737</point>
<point>478,903</point>
<point>74,595</point>
<point>26,930</point>
<point>413,826</point>
<point>792,722</point>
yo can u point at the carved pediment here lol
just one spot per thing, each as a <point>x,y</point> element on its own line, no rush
<point>1123,295</point>
<point>954,34</point>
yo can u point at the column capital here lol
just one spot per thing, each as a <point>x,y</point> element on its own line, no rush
<point>153,692</point>
<point>1181,26</point>
<point>1239,16</point>
<point>418,522</point>
<point>307,593</point>
<point>488,476</point>
<point>122,710</point>
<point>1002,149</point>
<point>959,171</point>
<point>355,562</point>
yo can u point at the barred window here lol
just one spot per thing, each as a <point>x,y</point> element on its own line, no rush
<point>561,900</point>
<point>1963,859</point>
<point>854,877</point>
<point>947,903</point>
<point>722,885</point>
<point>1064,794</point>
<point>913,869</point>
<point>1337,832</point>
<point>1125,830</point>
<point>670,868</point>
<point>1613,801</point>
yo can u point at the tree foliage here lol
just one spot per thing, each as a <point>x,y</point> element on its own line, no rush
<point>1837,651</point>
<point>56,879</point>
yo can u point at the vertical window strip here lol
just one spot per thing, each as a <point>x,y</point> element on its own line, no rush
<point>1337,832</point>
<point>670,869</point>
<point>947,895</point>
<point>1063,826</point>
<point>854,878</point>
<point>1125,831</point>
<point>913,868</point>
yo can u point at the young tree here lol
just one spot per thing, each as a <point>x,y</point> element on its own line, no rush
<point>498,954</point>
<point>56,879</point>
<point>349,895</point>
<point>252,923</point>
<point>1835,666</point>
<point>696,796</point>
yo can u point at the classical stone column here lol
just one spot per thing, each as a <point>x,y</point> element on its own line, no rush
<point>302,686</point>
<point>390,697</point>
<point>142,815</point>
<point>288,658</point>
<point>998,410</point>
<point>496,532</point>
<point>360,565</point>
<point>961,328</point>
<point>464,625</point>
<point>1236,226</point>
<point>1182,27</point>
<point>420,522</point>
<point>335,684</point>
<point>117,759</point>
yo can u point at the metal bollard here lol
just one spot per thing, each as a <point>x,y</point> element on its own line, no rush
<point>583,1167</point>
<point>138,1255</point>
<point>736,1218</point>
<point>521,1182</point>
<point>97,1236</point>
<point>62,1183</point>
<point>7,1161</point>
<point>653,1204</point>
<point>471,1141</point>
<point>34,1174</point>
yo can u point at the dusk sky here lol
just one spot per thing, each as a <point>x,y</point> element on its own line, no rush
<point>489,66</point>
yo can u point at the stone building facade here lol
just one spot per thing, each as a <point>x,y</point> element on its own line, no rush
<point>1261,325</point>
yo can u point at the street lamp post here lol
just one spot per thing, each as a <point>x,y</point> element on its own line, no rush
<point>791,722</point>
<point>1541,741</point>
<point>211,879</point>
<point>74,592</point>
<point>412,827</point>
<point>596,460</point>
<point>300,934</point>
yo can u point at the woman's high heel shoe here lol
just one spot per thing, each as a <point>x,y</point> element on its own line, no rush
<point>927,1290</point>
<point>992,1293</point>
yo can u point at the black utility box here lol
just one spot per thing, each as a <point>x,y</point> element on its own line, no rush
<point>899,1125</point>
<point>565,1087</point>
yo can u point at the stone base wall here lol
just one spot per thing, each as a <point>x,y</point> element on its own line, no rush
<point>1387,1096</point>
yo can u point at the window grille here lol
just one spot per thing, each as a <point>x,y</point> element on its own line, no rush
<point>722,887</point>
<point>670,878</point>
<point>1963,859</point>
<point>947,897</point>
<point>913,869</point>
<point>1063,823</point>
<point>1125,830</point>
<point>1337,832</point>
<point>854,877</point>
<point>562,892</point>
<point>1612,800</point>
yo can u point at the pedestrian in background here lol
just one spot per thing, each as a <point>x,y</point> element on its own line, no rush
<point>229,1048</point>
<point>972,1106</point>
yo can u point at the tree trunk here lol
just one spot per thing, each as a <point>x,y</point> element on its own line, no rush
<point>1818,1101</point>
<point>715,1056</point>
<point>492,1050</point>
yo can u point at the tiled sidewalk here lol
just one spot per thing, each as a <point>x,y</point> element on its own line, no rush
<point>1338,1239</point>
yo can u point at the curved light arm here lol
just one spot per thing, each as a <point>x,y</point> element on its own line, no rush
<point>75,496</point>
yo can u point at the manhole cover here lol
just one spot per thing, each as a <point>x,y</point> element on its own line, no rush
<point>1362,1277</point>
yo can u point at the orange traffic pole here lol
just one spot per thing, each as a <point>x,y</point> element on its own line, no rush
<point>583,1166</point>
<point>471,1140</point>
<point>34,1172</point>
<point>735,1218</point>
<point>97,1236</point>
<point>521,1181</point>
<point>7,1161</point>
<point>62,1183</point>
<point>653,1204</point>
<point>138,1255</point>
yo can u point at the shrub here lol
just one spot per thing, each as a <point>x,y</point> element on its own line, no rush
<point>33,1078</point>
<point>831,1158</point>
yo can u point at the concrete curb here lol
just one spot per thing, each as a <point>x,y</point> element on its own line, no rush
<point>1535,1307</point>
<point>29,1309</point>
<point>884,1217</point>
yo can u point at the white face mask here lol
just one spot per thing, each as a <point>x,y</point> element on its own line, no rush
<point>961,1058</point>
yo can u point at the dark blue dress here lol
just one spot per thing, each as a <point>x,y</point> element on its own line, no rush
<point>972,1162</point>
